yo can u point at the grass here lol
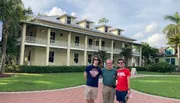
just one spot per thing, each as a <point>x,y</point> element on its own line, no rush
<point>32,82</point>
<point>167,86</point>
<point>157,73</point>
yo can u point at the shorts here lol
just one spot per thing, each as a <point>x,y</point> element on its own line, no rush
<point>90,92</point>
<point>120,95</point>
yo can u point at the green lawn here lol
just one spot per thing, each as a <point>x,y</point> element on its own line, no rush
<point>31,82</point>
<point>157,73</point>
<point>167,86</point>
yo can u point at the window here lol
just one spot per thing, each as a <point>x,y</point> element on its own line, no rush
<point>76,39</point>
<point>119,32</point>
<point>76,58</point>
<point>61,34</point>
<point>97,43</point>
<point>52,37</point>
<point>173,61</point>
<point>89,58</point>
<point>68,20</point>
<point>87,24</point>
<point>51,56</point>
<point>29,56</point>
<point>113,45</point>
<point>90,42</point>
<point>168,60</point>
<point>106,29</point>
<point>103,43</point>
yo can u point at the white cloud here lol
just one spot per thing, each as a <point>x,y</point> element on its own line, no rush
<point>73,13</point>
<point>55,11</point>
<point>138,35</point>
<point>151,27</point>
<point>156,40</point>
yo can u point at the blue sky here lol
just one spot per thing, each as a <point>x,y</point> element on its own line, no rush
<point>142,20</point>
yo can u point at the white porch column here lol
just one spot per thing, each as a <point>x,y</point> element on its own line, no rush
<point>123,45</point>
<point>100,42</point>
<point>85,50</point>
<point>68,49</point>
<point>112,42</point>
<point>132,59</point>
<point>23,36</point>
<point>47,47</point>
<point>140,58</point>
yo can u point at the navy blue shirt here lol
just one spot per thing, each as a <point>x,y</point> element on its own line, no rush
<point>93,74</point>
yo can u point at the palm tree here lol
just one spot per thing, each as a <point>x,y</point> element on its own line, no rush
<point>10,14</point>
<point>172,32</point>
<point>103,21</point>
<point>126,53</point>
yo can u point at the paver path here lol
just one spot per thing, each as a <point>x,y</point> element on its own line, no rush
<point>75,95</point>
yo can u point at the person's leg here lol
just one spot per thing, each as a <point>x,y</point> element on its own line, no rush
<point>88,94</point>
<point>118,96</point>
<point>111,95</point>
<point>92,101</point>
<point>94,94</point>
<point>124,93</point>
<point>105,94</point>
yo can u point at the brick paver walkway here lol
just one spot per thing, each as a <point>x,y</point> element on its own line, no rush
<point>75,95</point>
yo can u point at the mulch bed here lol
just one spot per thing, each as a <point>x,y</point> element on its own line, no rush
<point>6,75</point>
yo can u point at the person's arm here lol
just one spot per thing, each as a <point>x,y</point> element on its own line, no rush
<point>85,75</point>
<point>128,79</point>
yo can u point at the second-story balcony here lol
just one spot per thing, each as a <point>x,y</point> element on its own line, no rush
<point>92,47</point>
<point>77,45</point>
<point>30,39</point>
<point>58,43</point>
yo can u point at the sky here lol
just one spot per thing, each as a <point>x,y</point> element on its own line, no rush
<point>142,20</point>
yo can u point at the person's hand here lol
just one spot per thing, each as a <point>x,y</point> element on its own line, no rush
<point>129,91</point>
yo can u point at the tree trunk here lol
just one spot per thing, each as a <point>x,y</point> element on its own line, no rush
<point>4,44</point>
<point>178,56</point>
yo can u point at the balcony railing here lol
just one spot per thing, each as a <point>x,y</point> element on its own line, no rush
<point>30,39</point>
<point>117,50</point>
<point>58,43</point>
<point>92,47</point>
<point>106,48</point>
<point>77,45</point>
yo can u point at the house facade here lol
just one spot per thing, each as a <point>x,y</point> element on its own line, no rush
<point>62,40</point>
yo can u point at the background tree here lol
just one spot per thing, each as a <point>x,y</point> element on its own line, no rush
<point>126,53</point>
<point>11,12</point>
<point>148,53</point>
<point>103,21</point>
<point>172,32</point>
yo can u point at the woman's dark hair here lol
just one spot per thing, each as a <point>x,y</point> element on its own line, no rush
<point>120,60</point>
<point>98,60</point>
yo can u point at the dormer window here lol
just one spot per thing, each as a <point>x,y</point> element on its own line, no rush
<point>119,32</point>
<point>106,29</point>
<point>68,20</point>
<point>87,24</point>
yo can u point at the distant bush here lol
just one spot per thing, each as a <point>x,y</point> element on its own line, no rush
<point>161,67</point>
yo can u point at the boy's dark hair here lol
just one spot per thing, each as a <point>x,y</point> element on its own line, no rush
<point>120,60</point>
<point>98,59</point>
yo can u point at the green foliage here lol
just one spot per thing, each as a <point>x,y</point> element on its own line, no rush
<point>103,21</point>
<point>161,67</point>
<point>137,68</point>
<point>44,69</point>
<point>127,53</point>
<point>148,52</point>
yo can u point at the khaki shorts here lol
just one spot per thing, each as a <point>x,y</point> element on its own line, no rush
<point>90,92</point>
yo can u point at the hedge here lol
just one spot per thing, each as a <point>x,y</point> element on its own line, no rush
<point>43,69</point>
<point>161,67</point>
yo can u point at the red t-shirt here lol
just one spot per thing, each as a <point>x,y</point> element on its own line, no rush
<point>122,83</point>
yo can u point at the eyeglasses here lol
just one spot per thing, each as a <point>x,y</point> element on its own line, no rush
<point>96,59</point>
<point>120,62</point>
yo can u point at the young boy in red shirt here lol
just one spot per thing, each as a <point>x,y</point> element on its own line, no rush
<point>123,82</point>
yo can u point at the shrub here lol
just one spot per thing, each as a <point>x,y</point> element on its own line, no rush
<point>161,67</point>
<point>45,69</point>
<point>137,68</point>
